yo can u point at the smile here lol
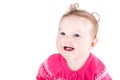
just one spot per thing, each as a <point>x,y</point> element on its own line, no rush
<point>67,48</point>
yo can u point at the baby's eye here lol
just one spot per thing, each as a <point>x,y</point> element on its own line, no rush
<point>62,33</point>
<point>76,35</point>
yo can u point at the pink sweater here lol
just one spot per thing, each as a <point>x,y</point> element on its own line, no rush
<point>56,68</point>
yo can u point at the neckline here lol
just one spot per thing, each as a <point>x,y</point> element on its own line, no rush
<point>80,70</point>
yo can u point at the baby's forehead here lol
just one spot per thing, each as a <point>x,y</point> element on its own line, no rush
<point>75,21</point>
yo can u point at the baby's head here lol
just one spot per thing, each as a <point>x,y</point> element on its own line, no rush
<point>77,32</point>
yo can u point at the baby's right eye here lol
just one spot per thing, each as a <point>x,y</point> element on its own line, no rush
<point>62,33</point>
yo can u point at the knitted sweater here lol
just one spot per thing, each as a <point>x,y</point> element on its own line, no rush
<point>56,68</point>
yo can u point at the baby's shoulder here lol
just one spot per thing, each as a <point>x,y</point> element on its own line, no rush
<point>99,69</point>
<point>96,62</point>
<point>96,65</point>
<point>54,58</point>
<point>53,63</point>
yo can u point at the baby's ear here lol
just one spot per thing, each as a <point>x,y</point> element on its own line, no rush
<point>93,43</point>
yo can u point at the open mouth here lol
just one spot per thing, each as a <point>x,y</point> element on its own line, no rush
<point>67,48</point>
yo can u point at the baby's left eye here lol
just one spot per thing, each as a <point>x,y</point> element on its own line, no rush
<point>76,35</point>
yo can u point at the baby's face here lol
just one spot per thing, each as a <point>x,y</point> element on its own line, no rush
<point>74,39</point>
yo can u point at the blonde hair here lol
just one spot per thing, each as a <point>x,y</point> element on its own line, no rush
<point>74,10</point>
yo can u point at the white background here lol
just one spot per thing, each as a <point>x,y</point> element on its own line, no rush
<point>28,30</point>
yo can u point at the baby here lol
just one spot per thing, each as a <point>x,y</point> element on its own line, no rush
<point>77,35</point>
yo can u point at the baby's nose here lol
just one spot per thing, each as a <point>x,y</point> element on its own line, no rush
<point>68,39</point>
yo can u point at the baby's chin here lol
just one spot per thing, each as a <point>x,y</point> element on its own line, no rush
<point>69,56</point>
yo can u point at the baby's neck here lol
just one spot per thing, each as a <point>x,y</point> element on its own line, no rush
<point>76,64</point>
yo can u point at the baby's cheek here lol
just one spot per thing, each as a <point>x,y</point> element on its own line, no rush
<point>77,44</point>
<point>59,44</point>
